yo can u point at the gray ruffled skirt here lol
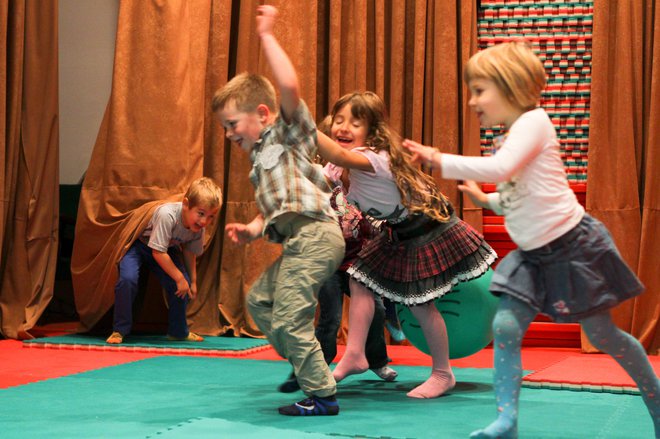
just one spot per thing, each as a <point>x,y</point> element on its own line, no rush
<point>577,275</point>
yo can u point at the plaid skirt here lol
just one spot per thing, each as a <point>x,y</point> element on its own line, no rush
<point>577,275</point>
<point>421,259</point>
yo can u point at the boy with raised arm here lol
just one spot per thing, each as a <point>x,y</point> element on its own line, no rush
<point>293,199</point>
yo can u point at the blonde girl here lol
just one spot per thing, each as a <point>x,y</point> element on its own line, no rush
<point>567,265</point>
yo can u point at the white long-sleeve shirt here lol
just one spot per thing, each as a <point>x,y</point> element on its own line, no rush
<point>532,189</point>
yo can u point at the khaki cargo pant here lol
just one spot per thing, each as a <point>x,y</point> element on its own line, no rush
<point>283,300</point>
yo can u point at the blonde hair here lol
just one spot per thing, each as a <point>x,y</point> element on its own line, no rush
<point>514,68</point>
<point>204,192</point>
<point>419,193</point>
<point>247,91</point>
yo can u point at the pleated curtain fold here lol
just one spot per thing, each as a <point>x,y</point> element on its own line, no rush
<point>29,176</point>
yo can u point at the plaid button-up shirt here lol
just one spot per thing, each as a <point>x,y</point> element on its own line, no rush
<point>283,173</point>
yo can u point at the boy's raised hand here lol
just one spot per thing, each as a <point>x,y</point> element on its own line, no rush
<point>283,71</point>
<point>266,15</point>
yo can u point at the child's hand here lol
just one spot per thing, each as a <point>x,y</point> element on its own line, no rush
<point>193,290</point>
<point>423,154</point>
<point>266,15</point>
<point>182,288</point>
<point>475,193</point>
<point>240,233</point>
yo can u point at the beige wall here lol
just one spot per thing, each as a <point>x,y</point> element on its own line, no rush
<point>87,31</point>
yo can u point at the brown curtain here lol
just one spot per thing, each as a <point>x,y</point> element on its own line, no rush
<point>151,141</point>
<point>29,175</point>
<point>158,134</point>
<point>226,271</point>
<point>624,150</point>
<point>409,52</point>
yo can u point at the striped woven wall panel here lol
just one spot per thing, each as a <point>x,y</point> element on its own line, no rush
<point>560,33</point>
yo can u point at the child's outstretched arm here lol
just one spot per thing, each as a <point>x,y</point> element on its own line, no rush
<point>244,233</point>
<point>432,157</point>
<point>280,64</point>
<point>523,143</point>
<point>332,152</point>
<point>475,193</point>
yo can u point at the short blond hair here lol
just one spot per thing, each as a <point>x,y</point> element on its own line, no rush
<point>204,192</point>
<point>514,68</point>
<point>247,91</point>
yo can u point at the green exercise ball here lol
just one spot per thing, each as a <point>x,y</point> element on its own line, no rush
<point>468,310</point>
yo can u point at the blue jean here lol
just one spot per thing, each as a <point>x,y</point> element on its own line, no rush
<point>126,289</point>
<point>331,298</point>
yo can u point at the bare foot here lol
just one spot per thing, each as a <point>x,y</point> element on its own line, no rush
<point>438,383</point>
<point>350,365</point>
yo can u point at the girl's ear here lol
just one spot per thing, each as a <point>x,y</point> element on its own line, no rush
<point>186,202</point>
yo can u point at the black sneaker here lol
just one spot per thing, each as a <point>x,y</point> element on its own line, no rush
<point>312,406</point>
<point>290,385</point>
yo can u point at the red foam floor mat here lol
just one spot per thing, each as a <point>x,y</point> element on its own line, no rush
<point>552,367</point>
<point>532,358</point>
<point>23,366</point>
<point>591,372</point>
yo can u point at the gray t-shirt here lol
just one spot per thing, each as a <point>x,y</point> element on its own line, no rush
<point>166,230</point>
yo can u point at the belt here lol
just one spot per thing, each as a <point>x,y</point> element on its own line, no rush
<point>412,227</point>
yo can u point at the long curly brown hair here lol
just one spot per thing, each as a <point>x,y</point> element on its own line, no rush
<point>419,193</point>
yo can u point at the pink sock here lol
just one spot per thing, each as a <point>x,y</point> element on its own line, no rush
<point>434,329</point>
<point>438,383</point>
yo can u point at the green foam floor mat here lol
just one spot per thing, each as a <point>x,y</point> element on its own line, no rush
<point>174,395</point>
<point>206,427</point>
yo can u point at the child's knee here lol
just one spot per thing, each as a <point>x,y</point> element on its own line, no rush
<point>127,280</point>
<point>424,311</point>
<point>601,331</point>
<point>506,325</point>
<point>603,339</point>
